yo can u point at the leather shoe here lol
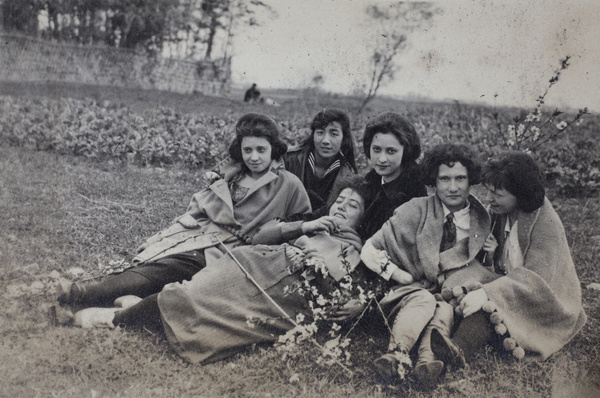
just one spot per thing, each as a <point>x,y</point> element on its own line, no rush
<point>444,349</point>
<point>69,293</point>
<point>393,367</point>
<point>93,317</point>
<point>386,368</point>
<point>428,374</point>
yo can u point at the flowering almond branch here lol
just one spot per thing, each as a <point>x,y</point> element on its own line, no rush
<point>281,310</point>
<point>537,128</point>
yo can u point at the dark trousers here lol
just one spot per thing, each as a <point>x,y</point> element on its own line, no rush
<point>474,332</point>
<point>143,280</point>
<point>144,314</point>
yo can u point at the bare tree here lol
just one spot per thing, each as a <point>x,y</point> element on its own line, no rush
<point>204,29</point>
<point>392,24</point>
<point>193,29</point>
<point>226,16</point>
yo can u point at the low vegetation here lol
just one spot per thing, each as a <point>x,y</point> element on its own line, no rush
<point>565,144</point>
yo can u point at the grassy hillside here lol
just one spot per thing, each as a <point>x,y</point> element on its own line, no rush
<point>81,217</point>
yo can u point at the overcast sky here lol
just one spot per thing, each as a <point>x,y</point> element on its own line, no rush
<point>473,50</point>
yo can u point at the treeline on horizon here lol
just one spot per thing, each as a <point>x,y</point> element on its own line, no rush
<point>189,28</point>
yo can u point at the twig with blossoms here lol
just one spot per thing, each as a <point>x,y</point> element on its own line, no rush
<point>324,297</point>
<point>296,323</point>
<point>536,129</point>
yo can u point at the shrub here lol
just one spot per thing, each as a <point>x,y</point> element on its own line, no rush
<point>105,131</point>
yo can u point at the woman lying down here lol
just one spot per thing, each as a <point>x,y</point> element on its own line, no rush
<point>206,319</point>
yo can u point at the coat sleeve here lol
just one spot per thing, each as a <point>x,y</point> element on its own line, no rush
<point>276,232</point>
<point>377,260</point>
<point>298,201</point>
<point>531,282</point>
<point>540,303</point>
<point>197,206</point>
<point>397,237</point>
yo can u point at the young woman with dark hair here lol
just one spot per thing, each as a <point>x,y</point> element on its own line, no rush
<point>517,173</point>
<point>324,157</point>
<point>232,209</point>
<point>392,146</point>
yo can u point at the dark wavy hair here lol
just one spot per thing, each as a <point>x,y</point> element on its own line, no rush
<point>401,128</point>
<point>519,174</point>
<point>256,125</point>
<point>321,121</point>
<point>359,185</point>
<point>449,154</point>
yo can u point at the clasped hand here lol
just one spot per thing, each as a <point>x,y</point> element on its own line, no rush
<point>328,224</point>
<point>473,302</point>
<point>350,310</point>
<point>210,177</point>
<point>490,245</point>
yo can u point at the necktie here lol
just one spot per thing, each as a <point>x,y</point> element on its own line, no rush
<point>449,233</point>
<point>502,264</point>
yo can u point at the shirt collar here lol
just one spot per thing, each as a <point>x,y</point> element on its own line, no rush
<point>334,166</point>
<point>459,213</point>
<point>507,227</point>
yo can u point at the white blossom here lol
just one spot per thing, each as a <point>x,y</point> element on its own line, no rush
<point>520,130</point>
<point>536,132</point>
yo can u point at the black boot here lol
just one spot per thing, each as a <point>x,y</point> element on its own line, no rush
<point>104,293</point>
<point>393,367</point>
<point>444,348</point>
<point>70,294</point>
<point>429,369</point>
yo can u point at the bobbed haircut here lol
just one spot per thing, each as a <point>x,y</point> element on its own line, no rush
<point>449,154</point>
<point>401,128</point>
<point>257,125</point>
<point>519,174</point>
<point>322,120</point>
<point>359,185</point>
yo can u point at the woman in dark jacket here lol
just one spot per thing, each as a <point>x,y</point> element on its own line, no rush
<point>392,145</point>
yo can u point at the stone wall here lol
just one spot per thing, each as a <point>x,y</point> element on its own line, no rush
<point>24,58</point>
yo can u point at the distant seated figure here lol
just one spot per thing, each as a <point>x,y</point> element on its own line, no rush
<point>252,94</point>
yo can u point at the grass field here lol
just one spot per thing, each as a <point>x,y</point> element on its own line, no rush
<point>60,213</point>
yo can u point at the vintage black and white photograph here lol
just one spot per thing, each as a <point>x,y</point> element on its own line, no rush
<point>299,198</point>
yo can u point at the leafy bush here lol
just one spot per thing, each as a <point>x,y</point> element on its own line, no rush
<point>104,131</point>
<point>572,167</point>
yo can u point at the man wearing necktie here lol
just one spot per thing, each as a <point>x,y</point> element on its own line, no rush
<point>426,239</point>
<point>535,292</point>
<point>449,233</point>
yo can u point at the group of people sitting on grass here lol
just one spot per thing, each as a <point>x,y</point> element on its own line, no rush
<point>452,274</point>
